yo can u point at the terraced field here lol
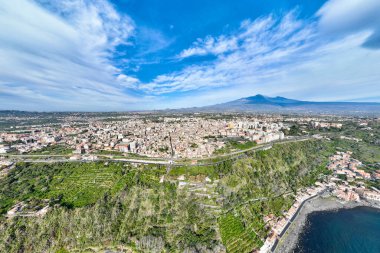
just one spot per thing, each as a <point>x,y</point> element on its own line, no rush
<point>235,236</point>
<point>84,184</point>
<point>70,184</point>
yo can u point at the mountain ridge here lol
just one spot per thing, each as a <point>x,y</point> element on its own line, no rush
<point>278,104</point>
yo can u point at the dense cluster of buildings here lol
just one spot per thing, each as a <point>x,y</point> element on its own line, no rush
<point>342,164</point>
<point>28,141</point>
<point>157,137</point>
<point>349,174</point>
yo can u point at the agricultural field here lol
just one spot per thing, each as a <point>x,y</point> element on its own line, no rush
<point>70,184</point>
<point>236,237</point>
<point>82,185</point>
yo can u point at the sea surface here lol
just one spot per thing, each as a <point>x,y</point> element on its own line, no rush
<point>355,230</point>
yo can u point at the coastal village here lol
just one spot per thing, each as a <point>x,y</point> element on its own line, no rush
<point>346,183</point>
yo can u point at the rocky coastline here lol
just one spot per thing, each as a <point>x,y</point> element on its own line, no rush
<point>326,202</point>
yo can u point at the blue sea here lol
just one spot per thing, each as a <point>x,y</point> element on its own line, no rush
<point>355,230</point>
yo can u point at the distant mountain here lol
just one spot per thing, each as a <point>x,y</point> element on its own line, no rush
<point>264,100</point>
<point>261,103</point>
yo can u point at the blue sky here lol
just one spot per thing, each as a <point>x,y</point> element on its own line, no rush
<point>99,55</point>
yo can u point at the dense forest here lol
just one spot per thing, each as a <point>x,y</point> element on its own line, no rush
<point>121,207</point>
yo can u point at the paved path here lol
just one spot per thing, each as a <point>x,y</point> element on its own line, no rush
<point>291,220</point>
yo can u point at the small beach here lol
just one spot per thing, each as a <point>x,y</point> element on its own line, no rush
<point>322,203</point>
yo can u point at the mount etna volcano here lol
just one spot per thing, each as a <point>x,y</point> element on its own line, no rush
<point>261,103</point>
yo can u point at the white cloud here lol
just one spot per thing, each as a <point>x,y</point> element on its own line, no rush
<point>211,45</point>
<point>128,81</point>
<point>62,54</point>
<point>151,40</point>
<point>259,46</point>
<point>342,17</point>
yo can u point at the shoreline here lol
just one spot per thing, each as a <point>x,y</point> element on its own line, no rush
<point>326,202</point>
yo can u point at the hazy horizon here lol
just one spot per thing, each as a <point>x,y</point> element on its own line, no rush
<point>163,109</point>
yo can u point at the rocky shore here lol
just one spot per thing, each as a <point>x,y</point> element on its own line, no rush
<point>322,203</point>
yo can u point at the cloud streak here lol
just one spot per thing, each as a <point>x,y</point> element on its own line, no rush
<point>342,17</point>
<point>210,45</point>
<point>62,54</point>
<point>259,49</point>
